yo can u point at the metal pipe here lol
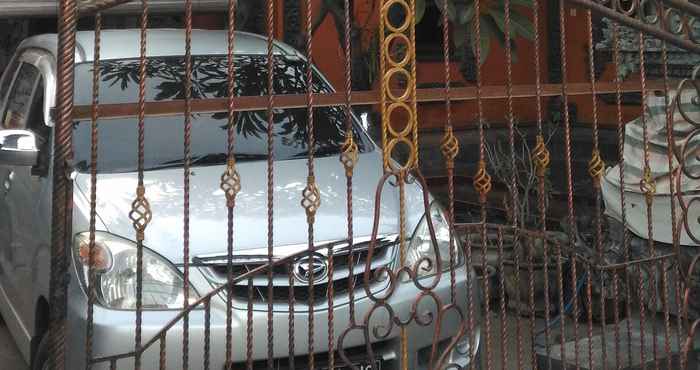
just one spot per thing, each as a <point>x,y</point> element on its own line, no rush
<point>638,25</point>
<point>251,103</point>
<point>46,8</point>
<point>684,5</point>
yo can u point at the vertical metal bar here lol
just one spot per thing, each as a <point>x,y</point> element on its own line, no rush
<point>230,180</point>
<point>207,334</point>
<point>541,159</point>
<point>62,198</point>
<point>187,156</point>
<point>513,186</point>
<point>449,146</point>
<point>623,212</point>
<point>402,258</point>
<point>93,190</point>
<point>562,311</point>
<point>482,184</point>
<point>391,137</point>
<point>412,84</point>
<point>140,213</point>
<point>270,19</point>
<point>349,158</point>
<point>674,225</point>
<point>311,198</point>
<point>249,327</point>
<point>596,169</point>
<point>292,303</point>
<point>531,300</point>
<point>616,319</point>
<point>569,179</point>
<point>162,353</point>
<point>648,187</point>
<point>504,319</point>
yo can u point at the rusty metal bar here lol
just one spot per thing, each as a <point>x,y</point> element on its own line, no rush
<point>94,6</point>
<point>639,25</point>
<point>186,176</point>
<point>230,180</point>
<point>684,5</point>
<point>49,8</point>
<point>271,103</point>
<point>62,195</point>
<point>93,192</point>
<point>250,103</point>
<point>141,210</point>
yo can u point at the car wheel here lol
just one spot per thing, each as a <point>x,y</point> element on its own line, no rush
<point>41,359</point>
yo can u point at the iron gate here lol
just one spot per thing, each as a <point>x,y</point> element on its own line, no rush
<point>649,294</point>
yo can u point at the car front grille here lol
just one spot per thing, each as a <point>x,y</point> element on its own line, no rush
<point>215,268</point>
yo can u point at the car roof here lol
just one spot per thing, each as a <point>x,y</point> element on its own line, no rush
<point>125,44</point>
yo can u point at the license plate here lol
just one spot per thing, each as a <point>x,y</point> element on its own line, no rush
<point>377,365</point>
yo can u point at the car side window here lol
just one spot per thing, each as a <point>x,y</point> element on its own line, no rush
<point>36,124</point>
<point>19,100</point>
<point>6,80</point>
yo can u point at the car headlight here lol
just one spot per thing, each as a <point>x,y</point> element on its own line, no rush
<point>114,262</point>
<point>421,248</point>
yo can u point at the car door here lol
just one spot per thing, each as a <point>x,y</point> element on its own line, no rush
<point>24,188</point>
<point>5,240</point>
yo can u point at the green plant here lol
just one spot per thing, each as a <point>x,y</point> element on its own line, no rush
<point>460,14</point>
<point>492,22</point>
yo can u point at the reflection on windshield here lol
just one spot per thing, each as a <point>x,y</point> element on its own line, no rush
<point>164,135</point>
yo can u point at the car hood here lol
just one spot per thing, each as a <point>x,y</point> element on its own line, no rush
<point>209,215</point>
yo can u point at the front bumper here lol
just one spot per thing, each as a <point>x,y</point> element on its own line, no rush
<point>114,330</point>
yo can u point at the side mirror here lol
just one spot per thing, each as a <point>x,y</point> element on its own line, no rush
<point>18,148</point>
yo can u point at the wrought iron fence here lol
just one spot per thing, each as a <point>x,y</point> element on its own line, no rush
<point>514,293</point>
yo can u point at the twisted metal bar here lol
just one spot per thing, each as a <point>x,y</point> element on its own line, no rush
<point>62,193</point>
<point>96,6</point>
<point>596,168</point>
<point>141,210</point>
<point>569,180</point>
<point>93,191</point>
<point>624,19</point>
<point>187,163</point>
<point>270,19</point>
<point>621,164</point>
<point>311,196</point>
<point>230,180</point>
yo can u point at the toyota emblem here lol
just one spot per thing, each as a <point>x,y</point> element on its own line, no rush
<point>307,267</point>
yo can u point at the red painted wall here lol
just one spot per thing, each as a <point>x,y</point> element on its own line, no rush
<point>328,55</point>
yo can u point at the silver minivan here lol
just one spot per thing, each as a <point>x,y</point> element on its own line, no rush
<point>27,96</point>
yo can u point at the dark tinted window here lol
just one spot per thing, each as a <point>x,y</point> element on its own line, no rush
<point>164,135</point>
<point>20,98</point>
<point>7,78</point>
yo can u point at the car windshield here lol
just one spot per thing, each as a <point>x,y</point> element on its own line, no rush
<point>164,136</point>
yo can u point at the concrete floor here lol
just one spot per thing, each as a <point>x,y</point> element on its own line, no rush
<point>10,357</point>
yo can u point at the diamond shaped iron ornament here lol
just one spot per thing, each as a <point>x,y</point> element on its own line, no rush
<point>648,185</point>
<point>596,167</point>
<point>450,148</point>
<point>140,213</point>
<point>349,156</point>
<point>540,156</point>
<point>311,199</point>
<point>231,183</point>
<point>482,181</point>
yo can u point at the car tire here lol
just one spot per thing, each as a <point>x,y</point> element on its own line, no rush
<point>41,359</point>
